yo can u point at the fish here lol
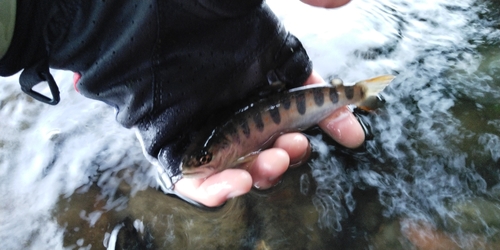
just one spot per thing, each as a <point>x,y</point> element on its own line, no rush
<point>255,127</point>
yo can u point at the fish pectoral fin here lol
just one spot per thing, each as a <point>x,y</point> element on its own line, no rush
<point>337,82</point>
<point>246,159</point>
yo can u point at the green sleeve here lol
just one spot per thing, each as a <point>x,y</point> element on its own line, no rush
<point>7,22</point>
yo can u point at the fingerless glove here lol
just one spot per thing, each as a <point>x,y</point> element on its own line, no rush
<point>165,66</point>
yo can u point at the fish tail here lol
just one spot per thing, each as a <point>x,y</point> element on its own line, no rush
<point>376,85</point>
<point>372,87</point>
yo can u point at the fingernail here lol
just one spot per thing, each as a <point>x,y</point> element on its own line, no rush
<point>235,193</point>
<point>218,187</point>
<point>298,139</point>
<point>297,162</point>
<point>332,125</point>
<point>261,186</point>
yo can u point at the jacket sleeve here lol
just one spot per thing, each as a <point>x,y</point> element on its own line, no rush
<point>7,21</point>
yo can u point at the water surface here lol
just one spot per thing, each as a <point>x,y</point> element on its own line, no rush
<point>428,180</point>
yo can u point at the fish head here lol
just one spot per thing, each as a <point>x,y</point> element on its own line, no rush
<point>211,159</point>
<point>200,164</point>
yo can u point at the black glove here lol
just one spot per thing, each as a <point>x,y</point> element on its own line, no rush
<point>166,66</point>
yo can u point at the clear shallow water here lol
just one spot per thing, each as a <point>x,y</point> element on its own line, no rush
<point>69,174</point>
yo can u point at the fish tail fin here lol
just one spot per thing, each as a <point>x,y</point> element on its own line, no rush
<point>376,85</point>
<point>373,87</point>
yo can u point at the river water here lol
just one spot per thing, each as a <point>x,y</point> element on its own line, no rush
<point>429,178</point>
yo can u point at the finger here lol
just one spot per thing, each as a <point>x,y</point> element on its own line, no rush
<point>296,145</point>
<point>326,3</point>
<point>314,78</point>
<point>344,128</point>
<point>268,167</point>
<point>216,189</point>
<point>341,125</point>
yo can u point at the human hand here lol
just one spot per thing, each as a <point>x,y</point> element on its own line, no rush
<point>326,3</point>
<point>265,171</point>
<point>167,93</point>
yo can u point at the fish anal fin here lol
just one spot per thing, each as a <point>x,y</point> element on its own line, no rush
<point>366,108</point>
<point>370,103</point>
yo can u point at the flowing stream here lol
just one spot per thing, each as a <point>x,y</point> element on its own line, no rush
<point>429,178</point>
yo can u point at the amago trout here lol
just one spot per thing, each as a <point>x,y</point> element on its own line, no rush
<point>256,126</point>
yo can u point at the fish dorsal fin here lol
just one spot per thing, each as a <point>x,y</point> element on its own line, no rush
<point>337,82</point>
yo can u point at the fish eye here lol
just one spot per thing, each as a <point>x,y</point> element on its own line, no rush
<point>205,158</point>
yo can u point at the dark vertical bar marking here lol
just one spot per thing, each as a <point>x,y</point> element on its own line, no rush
<point>319,98</point>
<point>300,99</point>
<point>362,92</point>
<point>245,128</point>
<point>257,119</point>
<point>275,114</point>
<point>334,96</point>
<point>286,102</point>
<point>349,92</point>
<point>232,130</point>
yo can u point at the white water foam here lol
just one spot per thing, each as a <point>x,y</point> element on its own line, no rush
<point>51,151</point>
<point>416,162</point>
